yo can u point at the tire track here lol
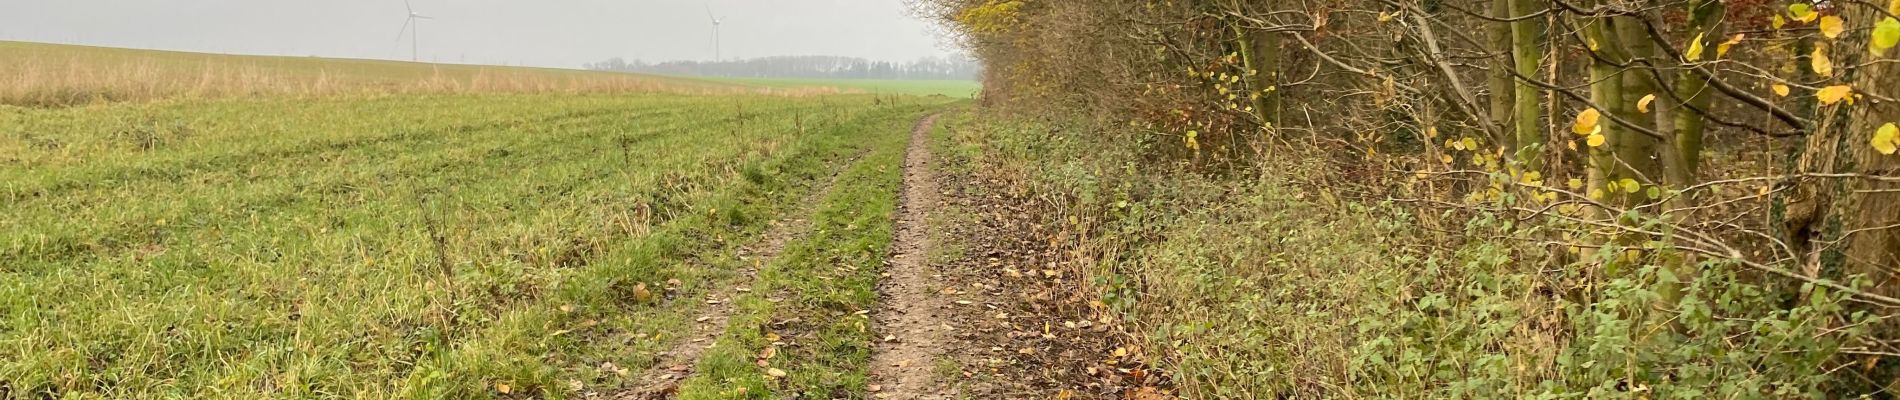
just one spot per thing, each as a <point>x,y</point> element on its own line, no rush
<point>911,318</point>
<point>662,381</point>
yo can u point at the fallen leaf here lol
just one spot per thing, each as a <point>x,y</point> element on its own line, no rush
<point>1780,89</point>
<point>503,388</point>
<point>775,373</point>
<point>641,294</point>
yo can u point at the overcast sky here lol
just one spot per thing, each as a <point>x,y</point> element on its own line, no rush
<point>552,33</point>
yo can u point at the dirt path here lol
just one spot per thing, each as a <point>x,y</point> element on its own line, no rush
<point>911,318</point>
<point>675,365</point>
<point>1002,307</point>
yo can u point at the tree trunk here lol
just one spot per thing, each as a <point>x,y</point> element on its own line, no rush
<point>1527,55</point>
<point>1635,151</point>
<point>1500,80</point>
<point>1606,91</point>
<point>1705,18</point>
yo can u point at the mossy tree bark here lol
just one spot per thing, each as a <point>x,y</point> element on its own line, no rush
<point>1526,56</point>
<point>1500,82</point>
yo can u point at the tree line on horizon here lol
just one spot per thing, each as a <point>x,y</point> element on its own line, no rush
<point>805,67</point>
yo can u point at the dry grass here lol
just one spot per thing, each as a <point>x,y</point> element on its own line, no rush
<point>47,75</point>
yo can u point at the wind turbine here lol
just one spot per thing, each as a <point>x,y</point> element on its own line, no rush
<point>412,27</point>
<point>715,21</point>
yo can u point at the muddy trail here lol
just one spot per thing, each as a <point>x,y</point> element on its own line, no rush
<point>912,320</point>
<point>983,301</point>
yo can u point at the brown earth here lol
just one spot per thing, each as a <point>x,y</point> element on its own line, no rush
<point>1005,315</point>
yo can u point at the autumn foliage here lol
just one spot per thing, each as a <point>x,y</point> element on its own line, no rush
<point>1637,159</point>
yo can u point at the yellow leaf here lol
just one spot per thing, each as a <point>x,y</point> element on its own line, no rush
<point>1802,12</point>
<point>1596,140</point>
<point>1576,183</point>
<point>1832,94</point>
<point>775,373</point>
<point>1722,49</point>
<point>503,388</point>
<point>1630,185</point>
<point>1643,105</point>
<point>1445,158</point>
<point>1586,121</point>
<point>1821,64</point>
<point>1886,34</point>
<point>1778,23</point>
<point>1470,144</point>
<point>1887,139</point>
<point>1832,26</point>
<point>1694,53</point>
<point>1780,90</point>
<point>1431,132</point>
<point>1893,7</point>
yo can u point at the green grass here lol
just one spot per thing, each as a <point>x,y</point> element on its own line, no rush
<point>950,88</point>
<point>184,225</point>
<point>419,246</point>
<point>815,295</point>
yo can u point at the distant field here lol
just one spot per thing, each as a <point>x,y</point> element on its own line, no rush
<point>956,89</point>
<point>201,226</point>
<point>52,75</point>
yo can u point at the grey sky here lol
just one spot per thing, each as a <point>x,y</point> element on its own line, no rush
<point>556,33</point>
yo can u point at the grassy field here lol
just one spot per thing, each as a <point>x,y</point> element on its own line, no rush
<point>238,242</point>
<point>949,88</point>
<point>51,75</point>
